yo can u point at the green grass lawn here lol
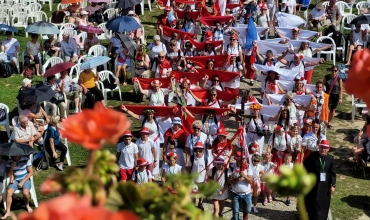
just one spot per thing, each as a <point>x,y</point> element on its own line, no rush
<point>350,201</point>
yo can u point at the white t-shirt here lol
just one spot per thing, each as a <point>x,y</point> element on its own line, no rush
<point>299,68</point>
<point>280,142</point>
<point>153,129</point>
<point>291,4</point>
<point>242,187</point>
<point>310,141</point>
<point>142,176</point>
<point>236,67</point>
<point>294,141</point>
<point>9,45</point>
<point>263,20</point>
<point>268,167</point>
<point>258,169</point>
<point>127,158</point>
<point>145,150</point>
<point>156,49</point>
<point>199,166</point>
<point>172,170</point>
<point>156,98</point>
<point>316,15</point>
<point>233,50</point>
<point>218,34</point>
<point>156,70</point>
<point>191,140</point>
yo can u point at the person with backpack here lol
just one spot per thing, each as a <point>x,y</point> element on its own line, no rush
<point>193,138</point>
<point>255,127</point>
<point>220,174</point>
<point>283,7</point>
<point>279,144</point>
<point>142,175</point>
<point>197,163</point>
<point>127,156</point>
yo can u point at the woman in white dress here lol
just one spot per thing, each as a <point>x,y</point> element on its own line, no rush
<point>171,167</point>
<point>253,125</point>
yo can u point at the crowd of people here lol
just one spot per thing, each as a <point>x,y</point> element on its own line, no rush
<point>192,73</point>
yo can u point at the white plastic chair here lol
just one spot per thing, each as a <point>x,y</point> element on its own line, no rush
<point>106,75</point>
<point>142,38</point>
<point>69,31</point>
<point>52,61</point>
<point>330,52</point>
<point>360,5</point>
<point>75,68</point>
<point>5,122</point>
<point>32,190</point>
<point>81,59</point>
<point>305,12</point>
<point>4,18</point>
<point>22,19</point>
<point>82,36</point>
<point>107,33</point>
<point>340,49</point>
<point>142,6</point>
<point>325,4</point>
<point>98,50</point>
<point>67,25</point>
<point>111,12</point>
<point>83,4</point>
<point>50,3</point>
<point>5,8</point>
<point>343,6</point>
<point>40,16</point>
<point>356,105</point>
<point>33,7</point>
<point>68,156</point>
<point>346,19</point>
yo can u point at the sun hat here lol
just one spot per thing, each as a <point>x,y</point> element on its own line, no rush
<point>284,1</point>
<point>176,121</point>
<point>263,7</point>
<point>198,145</point>
<point>142,162</point>
<point>144,130</point>
<point>127,133</point>
<point>172,154</point>
<point>219,160</point>
<point>221,131</point>
<point>255,106</point>
<point>324,144</point>
<point>83,12</point>
<point>25,82</point>
<point>131,13</point>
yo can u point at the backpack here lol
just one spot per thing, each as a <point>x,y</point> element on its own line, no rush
<point>6,69</point>
<point>214,173</point>
<point>29,71</point>
<point>147,174</point>
<point>41,161</point>
<point>192,157</point>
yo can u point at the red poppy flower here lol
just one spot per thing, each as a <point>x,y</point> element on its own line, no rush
<point>94,127</point>
<point>72,207</point>
<point>50,186</point>
<point>358,76</point>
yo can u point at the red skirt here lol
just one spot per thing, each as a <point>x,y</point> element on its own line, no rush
<point>276,158</point>
<point>248,67</point>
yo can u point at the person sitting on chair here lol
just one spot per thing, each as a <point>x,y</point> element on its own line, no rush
<point>69,47</point>
<point>24,132</point>
<point>20,171</point>
<point>11,47</point>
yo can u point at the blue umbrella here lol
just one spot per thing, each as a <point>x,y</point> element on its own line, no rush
<point>122,23</point>
<point>94,62</point>
<point>4,27</point>
<point>42,27</point>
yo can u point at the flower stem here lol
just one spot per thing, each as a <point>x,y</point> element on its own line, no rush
<point>302,208</point>
<point>90,162</point>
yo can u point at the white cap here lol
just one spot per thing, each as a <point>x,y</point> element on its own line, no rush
<point>83,12</point>
<point>25,82</point>
<point>284,1</point>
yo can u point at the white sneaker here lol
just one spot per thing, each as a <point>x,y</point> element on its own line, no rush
<point>255,209</point>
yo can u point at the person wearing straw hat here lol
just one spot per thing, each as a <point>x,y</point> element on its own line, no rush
<point>220,174</point>
<point>322,165</point>
<point>127,156</point>
<point>198,164</point>
<point>254,125</point>
<point>241,180</point>
<point>142,174</point>
<point>171,167</point>
<point>146,148</point>
<point>174,141</point>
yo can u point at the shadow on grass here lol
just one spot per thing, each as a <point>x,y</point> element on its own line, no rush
<point>359,202</point>
<point>344,115</point>
<point>349,133</point>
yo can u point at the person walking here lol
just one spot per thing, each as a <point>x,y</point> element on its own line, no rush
<point>322,165</point>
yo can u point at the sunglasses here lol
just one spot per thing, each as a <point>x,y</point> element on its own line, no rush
<point>196,128</point>
<point>160,56</point>
<point>187,45</point>
<point>289,99</point>
<point>334,70</point>
<point>232,39</point>
<point>213,94</point>
<point>257,161</point>
<point>173,45</point>
<point>198,151</point>
<point>216,80</point>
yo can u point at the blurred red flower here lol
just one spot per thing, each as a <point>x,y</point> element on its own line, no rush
<point>94,127</point>
<point>72,207</point>
<point>50,186</point>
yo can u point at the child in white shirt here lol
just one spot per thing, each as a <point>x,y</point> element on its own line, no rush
<point>288,162</point>
<point>269,167</point>
<point>258,171</point>
<point>170,168</point>
<point>142,175</point>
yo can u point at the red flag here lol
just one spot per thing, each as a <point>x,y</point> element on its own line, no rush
<point>201,61</point>
<point>202,110</point>
<point>193,14</point>
<point>210,21</point>
<point>169,31</point>
<point>231,6</point>
<point>192,77</point>
<point>203,94</point>
<point>202,45</point>
<point>222,75</point>
<point>205,12</point>
<point>159,110</point>
<point>145,82</point>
